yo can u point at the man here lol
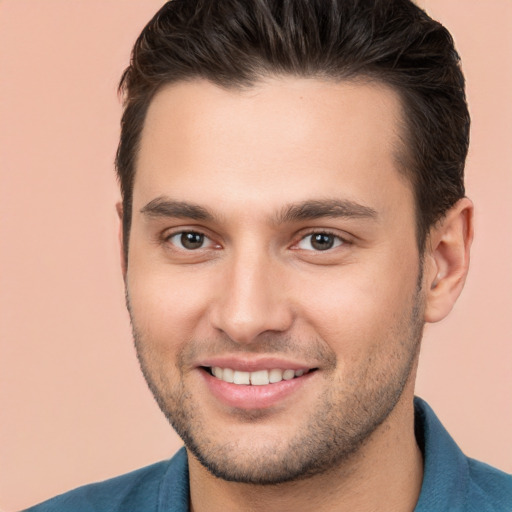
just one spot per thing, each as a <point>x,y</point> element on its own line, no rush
<point>293,213</point>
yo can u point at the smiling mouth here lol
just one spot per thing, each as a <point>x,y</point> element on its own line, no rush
<point>257,378</point>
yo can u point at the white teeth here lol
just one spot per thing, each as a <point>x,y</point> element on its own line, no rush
<point>288,374</point>
<point>241,377</point>
<point>228,375</point>
<point>275,376</point>
<point>257,378</point>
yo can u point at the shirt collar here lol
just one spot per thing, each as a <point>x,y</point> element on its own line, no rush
<point>174,487</point>
<point>445,468</point>
<point>445,476</point>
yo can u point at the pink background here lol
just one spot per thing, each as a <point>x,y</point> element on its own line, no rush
<point>73,405</point>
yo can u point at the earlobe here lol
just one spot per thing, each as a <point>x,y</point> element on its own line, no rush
<point>447,260</point>
<point>119,209</point>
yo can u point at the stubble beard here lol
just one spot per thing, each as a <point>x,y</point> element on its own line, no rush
<point>343,420</point>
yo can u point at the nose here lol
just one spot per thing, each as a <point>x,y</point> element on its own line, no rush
<point>253,299</point>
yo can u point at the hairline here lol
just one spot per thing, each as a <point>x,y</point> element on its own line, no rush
<point>402,150</point>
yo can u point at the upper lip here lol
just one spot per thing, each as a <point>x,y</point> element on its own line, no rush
<point>254,364</point>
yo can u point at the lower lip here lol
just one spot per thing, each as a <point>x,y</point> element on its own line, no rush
<point>253,397</point>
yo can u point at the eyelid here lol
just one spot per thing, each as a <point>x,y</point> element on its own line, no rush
<point>208,240</point>
<point>345,240</point>
<point>167,235</point>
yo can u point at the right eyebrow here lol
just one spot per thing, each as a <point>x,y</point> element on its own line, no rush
<point>166,207</point>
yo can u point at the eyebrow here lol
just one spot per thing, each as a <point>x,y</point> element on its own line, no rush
<point>307,210</point>
<point>315,209</point>
<point>164,207</point>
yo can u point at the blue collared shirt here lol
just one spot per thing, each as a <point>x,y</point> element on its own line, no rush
<point>452,482</point>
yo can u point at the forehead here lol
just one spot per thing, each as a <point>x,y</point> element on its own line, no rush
<point>283,139</point>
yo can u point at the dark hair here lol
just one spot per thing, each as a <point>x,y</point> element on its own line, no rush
<point>234,43</point>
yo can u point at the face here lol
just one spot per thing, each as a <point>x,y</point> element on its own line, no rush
<point>273,272</point>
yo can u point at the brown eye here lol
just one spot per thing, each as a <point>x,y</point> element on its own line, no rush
<point>320,242</point>
<point>188,240</point>
<point>192,240</point>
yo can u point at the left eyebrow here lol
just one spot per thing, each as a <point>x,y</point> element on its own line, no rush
<point>315,209</point>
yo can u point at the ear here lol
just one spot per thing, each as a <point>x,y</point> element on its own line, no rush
<point>447,260</point>
<point>119,209</point>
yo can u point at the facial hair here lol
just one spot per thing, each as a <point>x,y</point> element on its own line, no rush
<point>345,415</point>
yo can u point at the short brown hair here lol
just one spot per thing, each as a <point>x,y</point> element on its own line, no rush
<point>234,43</point>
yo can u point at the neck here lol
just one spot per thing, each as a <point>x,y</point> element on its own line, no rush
<point>385,474</point>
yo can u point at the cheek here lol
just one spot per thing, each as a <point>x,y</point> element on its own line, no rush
<point>167,305</point>
<point>357,307</point>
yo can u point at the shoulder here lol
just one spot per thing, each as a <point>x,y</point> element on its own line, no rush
<point>137,490</point>
<point>489,486</point>
<point>453,482</point>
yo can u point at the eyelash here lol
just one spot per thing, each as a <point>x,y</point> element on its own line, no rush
<point>168,239</point>
<point>338,240</point>
<point>341,241</point>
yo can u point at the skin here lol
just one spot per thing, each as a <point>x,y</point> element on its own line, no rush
<point>257,287</point>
